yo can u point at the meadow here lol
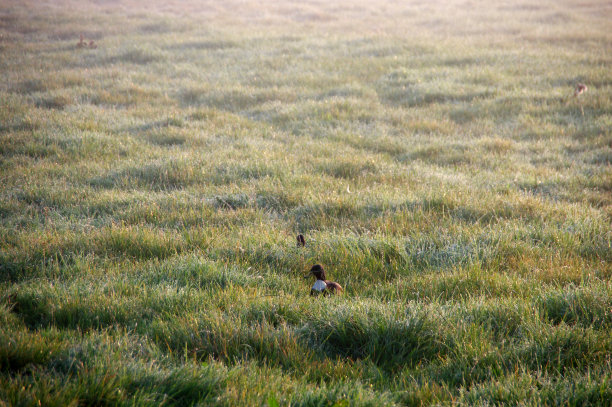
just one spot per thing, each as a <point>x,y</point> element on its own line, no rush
<point>432,153</point>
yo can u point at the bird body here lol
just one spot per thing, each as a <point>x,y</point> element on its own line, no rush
<point>321,285</point>
<point>580,89</point>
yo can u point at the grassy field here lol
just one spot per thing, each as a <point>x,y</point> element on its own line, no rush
<point>432,153</point>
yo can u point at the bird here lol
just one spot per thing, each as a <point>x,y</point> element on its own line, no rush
<point>81,42</point>
<point>301,242</point>
<point>321,285</point>
<point>580,89</point>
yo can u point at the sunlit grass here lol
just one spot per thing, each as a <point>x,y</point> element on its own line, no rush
<point>433,155</point>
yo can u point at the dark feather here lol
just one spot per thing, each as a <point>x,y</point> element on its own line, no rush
<point>301,242</point>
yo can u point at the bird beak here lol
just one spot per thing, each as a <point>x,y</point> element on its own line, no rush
<point>308,274</point>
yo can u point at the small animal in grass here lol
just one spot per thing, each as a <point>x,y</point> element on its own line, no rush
<point>321,285</point>
<point>81,43</point>
<point>301,242</point>
<point>84,44</point>
<point>580,89</point>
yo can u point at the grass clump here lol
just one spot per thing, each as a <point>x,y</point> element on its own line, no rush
<point>390,341</point>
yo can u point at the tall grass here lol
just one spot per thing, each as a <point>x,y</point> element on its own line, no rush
<point>433,155</point>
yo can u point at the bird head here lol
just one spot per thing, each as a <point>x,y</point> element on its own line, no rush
<point>317,271</point>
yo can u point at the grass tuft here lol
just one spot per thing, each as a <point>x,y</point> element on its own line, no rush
<point>434,157</point>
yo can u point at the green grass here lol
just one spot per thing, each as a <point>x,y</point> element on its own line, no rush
<point>432,154</point>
